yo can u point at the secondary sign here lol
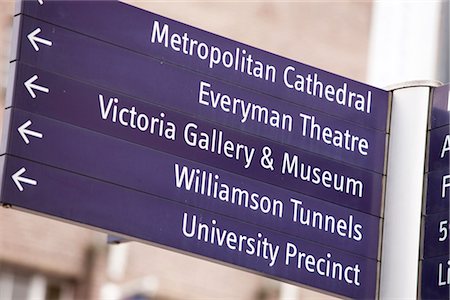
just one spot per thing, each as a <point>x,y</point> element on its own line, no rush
<point>435,264</point>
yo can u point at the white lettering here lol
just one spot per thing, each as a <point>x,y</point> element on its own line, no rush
<point>344,140</point>
<point>445,185</point>
<point>445,146</point>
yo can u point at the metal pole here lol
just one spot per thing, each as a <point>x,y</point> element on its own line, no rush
<point>404,187</point>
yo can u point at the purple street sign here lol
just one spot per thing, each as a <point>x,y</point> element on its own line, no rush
<point>435,266</point>
<point>439,148</point>
<point>142,216</point>
<point>438,191</point>
<point>249,163</point>
<point>436,240</point>
<point>440,110</point>
<point>435,278</point>
<point>122,163</point>
<point>181,90</point>
<point>172,132</point>
<point>164,39</point>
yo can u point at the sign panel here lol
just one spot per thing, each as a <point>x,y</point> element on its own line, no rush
<point>184,45</point>
<point>438,191</point>
<point>436,240</point>
<point>181,180</point>
<point>439,148</point>
<point>440,110</point>
<point>172,132</point>
<point>126,211</point>
<point>435,282</point>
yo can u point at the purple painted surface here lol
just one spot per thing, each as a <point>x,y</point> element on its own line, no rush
<point>105,176</point>
<point>439,149</point>
<point>438,191</point>
<point>440,110</point>
<point>122,163</point>
<point>434,278</point>
<point>131,28</point>
<point>436,239</point>
<point>85,112</point>
<point>142,216</point>
<point>178,89</point>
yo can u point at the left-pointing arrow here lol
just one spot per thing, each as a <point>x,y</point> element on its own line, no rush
<point>24,131</point>
<point>18,179</point>
<point>31,86</point>
<point>34,39</point>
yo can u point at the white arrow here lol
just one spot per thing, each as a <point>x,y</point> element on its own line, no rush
<point>24,131</point>
<point>34,39</point>
<point>18,179</point>
<point>30,85</point>
<point>41,2</point>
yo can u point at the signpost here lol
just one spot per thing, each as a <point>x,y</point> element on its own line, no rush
<point>435,279</point>
<point>264,163</point>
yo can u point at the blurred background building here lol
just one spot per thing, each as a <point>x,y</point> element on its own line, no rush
<point>380,43</point>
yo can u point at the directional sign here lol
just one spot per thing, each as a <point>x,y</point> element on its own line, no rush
<point>178,43</point>
<point>149,218</point>
<point>435,282</point>
<point>195,184</point>
<point>172,132</point>
<point>89,60</point>
<point>156,131</point>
